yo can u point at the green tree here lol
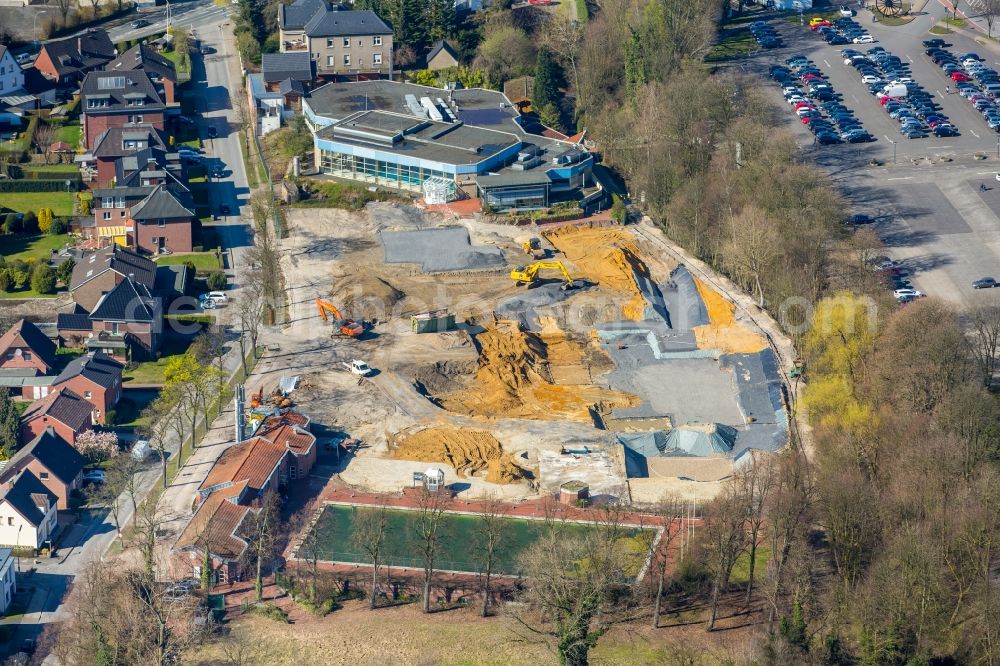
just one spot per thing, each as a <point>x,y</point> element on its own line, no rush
<point>248,47</point>
<point>440,19</point>
<point>216,280</point>
<point>29,224</point>
<point>635,67</point>
<point>6,279</point>
<point>65,271</point>
<point>43,279</point>
<point>548,78</point>
<point>9,425</point>
<point>548,115</point>
<point>425,77</point>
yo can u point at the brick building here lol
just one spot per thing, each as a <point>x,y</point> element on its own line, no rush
<point>127,323</point>
<point>121,99</point>
<point>101,163</point>
<point>97,378</point>
<point>67,413</point>
<point>161,72</point>
<point>53,461</point>
<point>69,60</point>
<point>282,451</point>
<point>96,274</point>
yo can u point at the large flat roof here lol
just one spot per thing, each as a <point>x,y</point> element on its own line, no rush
<point>482,108</point>
<point>452,143</point>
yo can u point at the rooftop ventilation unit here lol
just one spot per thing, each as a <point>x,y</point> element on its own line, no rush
<point>447,112</point>
<point>432,110</point>
<point>414,106</point>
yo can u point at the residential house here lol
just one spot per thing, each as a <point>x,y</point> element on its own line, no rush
<point>11,74</point>
<point>119,99</point>
<point>95,376</point>
<point>442,56</point>
<point>8,579</point>
<point>349,42</point>
<point>28,514</point>
<point>53,461</point>
<point>292,19</point>
<point>27,356</point>
<point>65,412</point>
<point>96,274</point>
<point>283,451</point>
<point>160,71</point>
<point>149,209</point>
<point>289,75</point>
<point>99,166</point>
<point>67,61</point>
<point>127,323</point>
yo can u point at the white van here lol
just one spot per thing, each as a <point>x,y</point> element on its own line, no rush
<point>895,90</point>
<point>141,449</point>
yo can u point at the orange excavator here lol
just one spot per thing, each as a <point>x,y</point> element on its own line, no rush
<point>341,326</point>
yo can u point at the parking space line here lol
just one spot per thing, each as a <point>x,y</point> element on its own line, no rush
<point>938,93</point>
<point>973,133</point>
<point>909,58</point>
<point>901,178</point>
<point>825,62</point>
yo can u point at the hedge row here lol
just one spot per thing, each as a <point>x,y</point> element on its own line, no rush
<point>38,185</point>
<point>29,173</point>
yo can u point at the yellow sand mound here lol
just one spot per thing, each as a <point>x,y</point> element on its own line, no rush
<point>366,296</point>
<point>724,332</point>
<point>514,379</point>
<point>607,256</point>
<point>468,451</point>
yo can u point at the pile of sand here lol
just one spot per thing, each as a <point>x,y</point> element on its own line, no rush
<point>468,451</point>
<point>724,332</point>
<point>515,379</point>
<point>366,297</point>
<point>607,256</point>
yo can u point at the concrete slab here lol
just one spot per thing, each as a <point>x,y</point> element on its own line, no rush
<point>438,250</point>
<point>927,210</point>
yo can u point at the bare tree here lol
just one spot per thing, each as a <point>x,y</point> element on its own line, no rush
<point>369,535</point>
<point>210,349</point>
<point>121,478</point>
<point>157,417</point>
<point>44,136</point>
<point>985,343</point>
<point>989,10</point>
<point>756,480</point>
<point>261,530</point>
<point>429,531</point>
<point>148,521</point>
<point>751,249</point>
<point>64,6</point>
<point>250,311</point>
<point>579,587</point>
<point>724,539</point>
<point>670,513</point>
<point>492,527</point>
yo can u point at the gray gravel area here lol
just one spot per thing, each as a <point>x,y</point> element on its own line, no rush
<point>438,250</point>
<point>684,301</point>
<point>759,395</point>
<point>523,306</point>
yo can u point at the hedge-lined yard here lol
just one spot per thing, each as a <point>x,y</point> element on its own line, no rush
<point>61,203</point>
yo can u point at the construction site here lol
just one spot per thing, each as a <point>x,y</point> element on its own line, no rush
<point>519,359</point>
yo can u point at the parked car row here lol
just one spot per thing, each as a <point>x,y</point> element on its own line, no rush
<point>889,79</point>
<point>896,277</point>
<point>844,30</point>
<point>973,79</point>
<point>766,35</point>
<point>817,104</point>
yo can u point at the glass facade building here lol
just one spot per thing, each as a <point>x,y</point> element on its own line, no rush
<point>375,171</point>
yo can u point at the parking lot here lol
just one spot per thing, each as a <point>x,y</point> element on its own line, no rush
<point>934,199</point>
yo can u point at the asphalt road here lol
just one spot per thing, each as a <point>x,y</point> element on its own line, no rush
<point>925,192</point>
<point>190,15</point>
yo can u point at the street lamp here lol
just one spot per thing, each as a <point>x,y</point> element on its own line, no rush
<point>34,25</point>
<point>168,13</point>
<point>893,150</point>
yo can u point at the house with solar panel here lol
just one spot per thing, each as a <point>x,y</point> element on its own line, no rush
<point>445,144</point>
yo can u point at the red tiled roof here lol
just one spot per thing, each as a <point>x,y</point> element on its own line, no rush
<point>24,334</point>
<point>215,525</point>
<point>296,440</point>
<point>64,406</point>
<point>287,418</point>
<point>252,461</point>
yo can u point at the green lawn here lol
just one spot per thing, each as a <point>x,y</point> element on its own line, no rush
<point>28,293</point>
<point>203,261</point>
<point>151,372</point>
<point>61,203</point>
<point>741,571</point>
<point>20,246</point>
<point>734,43</point>
<point>458,547</point>
<point>70,134</point>
<point>174,56</point>
<point>73,171</point>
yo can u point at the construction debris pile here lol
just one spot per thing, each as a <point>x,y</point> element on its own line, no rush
<point>723,332</point>
<point>515,379</point>
<point>468,451</point>
<point>609,257</point>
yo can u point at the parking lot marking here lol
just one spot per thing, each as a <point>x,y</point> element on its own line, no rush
<point>973,133</point>
<point>825,62</point>
<point>939,94</point>
<point>909,58</point>
<point>901,178</point>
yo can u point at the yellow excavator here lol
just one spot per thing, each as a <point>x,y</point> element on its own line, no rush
<point>529,274</point>
<point>341,326</point>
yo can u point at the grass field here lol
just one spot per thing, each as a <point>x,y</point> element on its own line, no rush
<point>19,246</point>
<point>70,134</point>
<point>61,203</point>
<point>203,261</point>
<point>458,550</point>
<point>151,372</point>
<point>734,43</point>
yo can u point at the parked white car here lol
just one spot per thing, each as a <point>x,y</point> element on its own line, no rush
<point>864,39</point>
<point>907,293</point>
<point>219,298</point>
